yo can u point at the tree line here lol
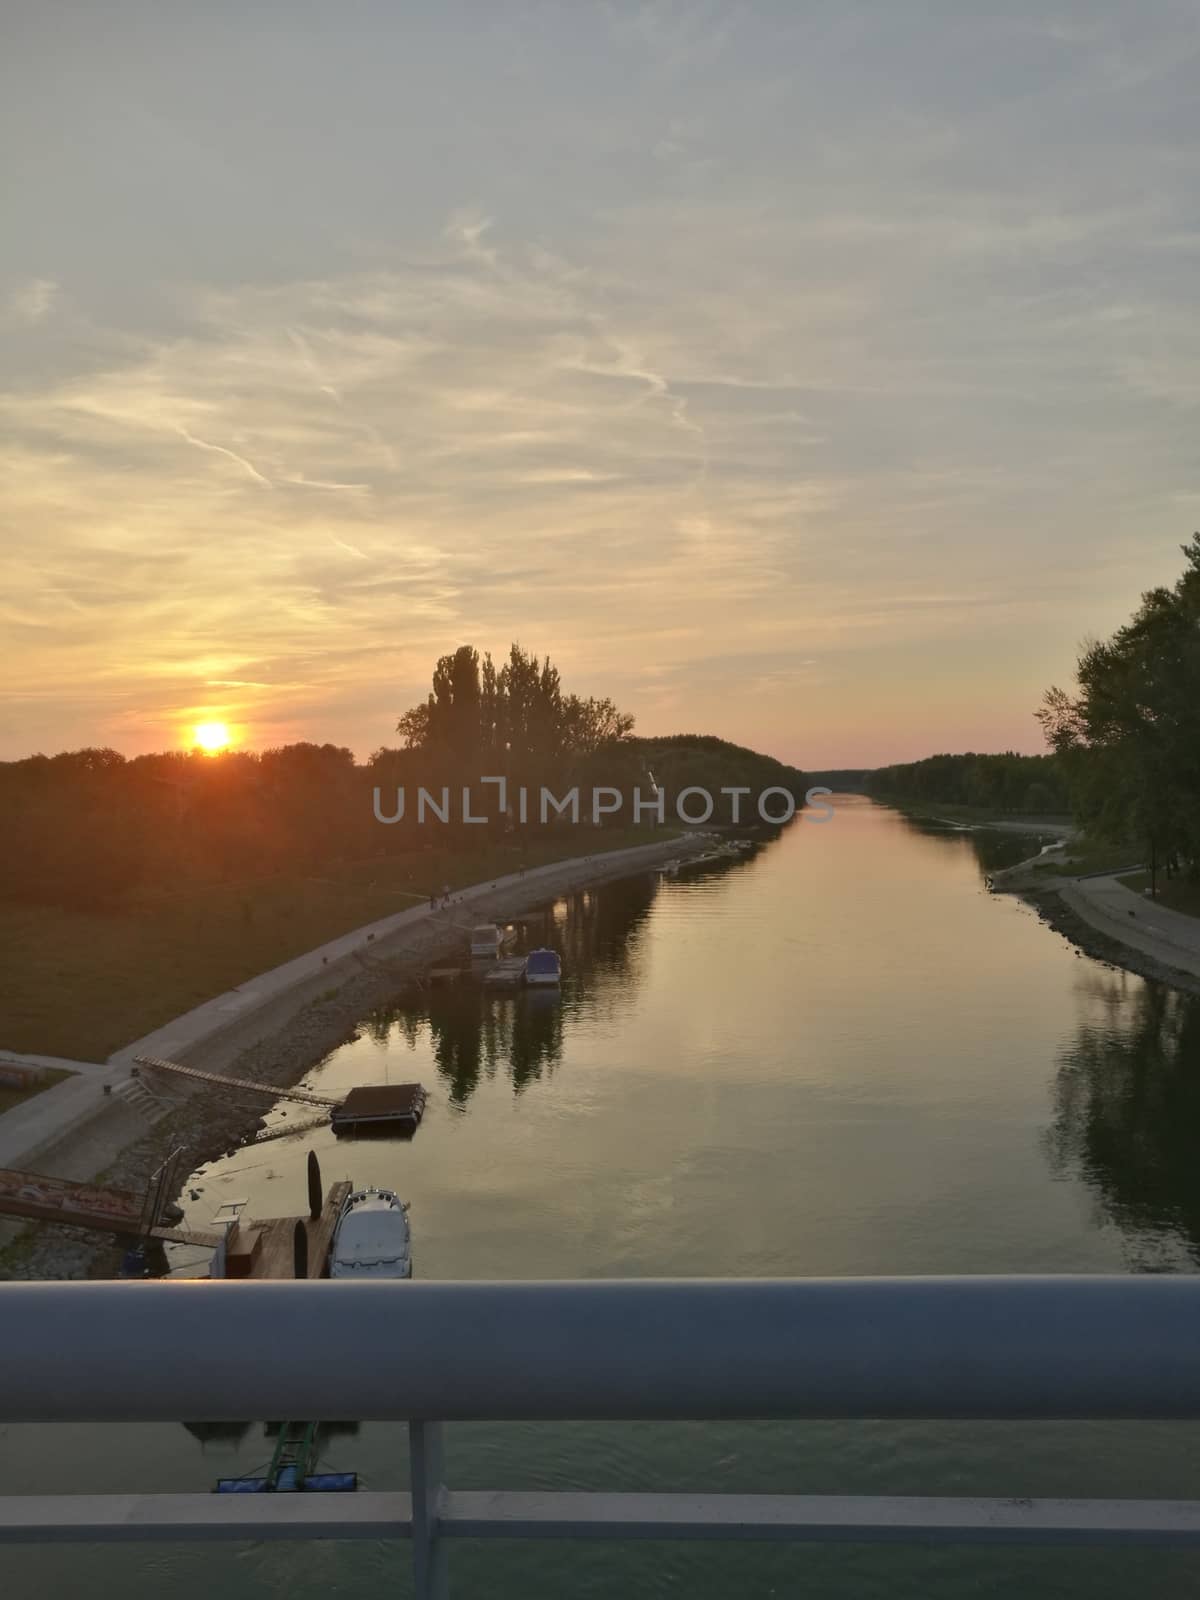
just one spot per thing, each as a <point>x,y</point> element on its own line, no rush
<point>1128,737</point>
<point>516,722</point>
<point>87,828</point>
<point>1125,741</point>
<point>1034,785</point>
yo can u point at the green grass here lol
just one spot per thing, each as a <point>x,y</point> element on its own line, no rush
<point>82,984</point>
<point>1087,855</point>
<point>1175,893</point>
<point>10,1097</point>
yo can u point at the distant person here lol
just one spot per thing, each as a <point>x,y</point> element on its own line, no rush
<point>433,900</point>
<point>445,894</point>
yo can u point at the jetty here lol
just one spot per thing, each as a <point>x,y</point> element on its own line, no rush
<point>283,1247</point>
<point>275,1247</point>
<point>506,973</point>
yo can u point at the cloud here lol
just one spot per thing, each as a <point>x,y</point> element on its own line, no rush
<point>467,231</point>
<point>230,455</point>
<point>34,300</point>
<point>887,344</point>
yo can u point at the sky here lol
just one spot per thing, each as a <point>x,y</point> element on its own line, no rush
<point>815,375</point>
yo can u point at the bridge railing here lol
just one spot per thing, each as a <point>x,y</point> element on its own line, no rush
<point>427,1352</point>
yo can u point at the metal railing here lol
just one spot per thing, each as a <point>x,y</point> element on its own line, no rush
<point>428,1353</point>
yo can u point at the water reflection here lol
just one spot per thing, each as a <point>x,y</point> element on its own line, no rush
<point>1127,1110</point>
<point>993,848</point>
<point>474,1033</point>
<point>996,849</point>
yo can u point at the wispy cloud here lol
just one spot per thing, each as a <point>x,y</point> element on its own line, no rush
<point>247,467</point>
<point>34,300</point>
<point>852,367</point>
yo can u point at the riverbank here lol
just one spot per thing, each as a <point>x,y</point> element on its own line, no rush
<point>274,1029</point>
<point>79,984</point>
<point>1075,887</point>
<point>1106,920</point>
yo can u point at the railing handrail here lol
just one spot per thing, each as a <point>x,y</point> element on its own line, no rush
<point>975,1347</point>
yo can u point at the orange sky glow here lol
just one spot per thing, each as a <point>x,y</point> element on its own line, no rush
<point>803,385</point>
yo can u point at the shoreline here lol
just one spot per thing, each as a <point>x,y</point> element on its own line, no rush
<point>1099,945</point>
<point>279,1040</point>
<point>1095,913</point>
<point>979,820</point>
<point>1103,919</point>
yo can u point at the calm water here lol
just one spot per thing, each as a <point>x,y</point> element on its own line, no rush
<point>843,1056</point>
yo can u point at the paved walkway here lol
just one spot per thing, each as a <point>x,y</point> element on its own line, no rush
<point>1168,936</point>
<point>66,1105</point>
<point>32,1124</point>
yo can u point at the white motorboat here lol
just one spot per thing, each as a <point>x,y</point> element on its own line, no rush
<point>371,1238</point>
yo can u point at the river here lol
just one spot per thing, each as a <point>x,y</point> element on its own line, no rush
<point>841,1056</point>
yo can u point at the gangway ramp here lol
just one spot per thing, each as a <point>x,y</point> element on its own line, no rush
<point>246,1085</point>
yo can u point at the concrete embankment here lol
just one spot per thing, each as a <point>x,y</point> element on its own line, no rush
<point>109,1122</point>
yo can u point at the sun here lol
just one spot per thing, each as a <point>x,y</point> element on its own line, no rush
<point>211,737</point>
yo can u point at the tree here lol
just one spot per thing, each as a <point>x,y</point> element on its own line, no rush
<point>1131,736</point>
<point>513,721</point>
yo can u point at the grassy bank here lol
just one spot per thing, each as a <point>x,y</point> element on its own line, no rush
<point>1174,893</point>
<point>1085,855</point>
<point>81,985</point>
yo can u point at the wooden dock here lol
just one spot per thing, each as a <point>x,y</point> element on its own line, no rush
<point>507,973</point>
<point>267,1248</point>
<point>241,1248</point>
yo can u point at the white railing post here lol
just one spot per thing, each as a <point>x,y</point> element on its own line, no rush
<point>429,1548</point>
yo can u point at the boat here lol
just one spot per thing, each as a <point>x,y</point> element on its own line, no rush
<point>703,863</point>
<point>487,940</point>
<point>371,1238</point>
<point>295,1465</point>
<point>542,967</point>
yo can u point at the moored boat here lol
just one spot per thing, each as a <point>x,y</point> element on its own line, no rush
<point>488,940</point>
<point>372,1238</point>
<point>543,967</point>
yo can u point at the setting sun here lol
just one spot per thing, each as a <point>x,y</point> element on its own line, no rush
<point>211,736</point>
